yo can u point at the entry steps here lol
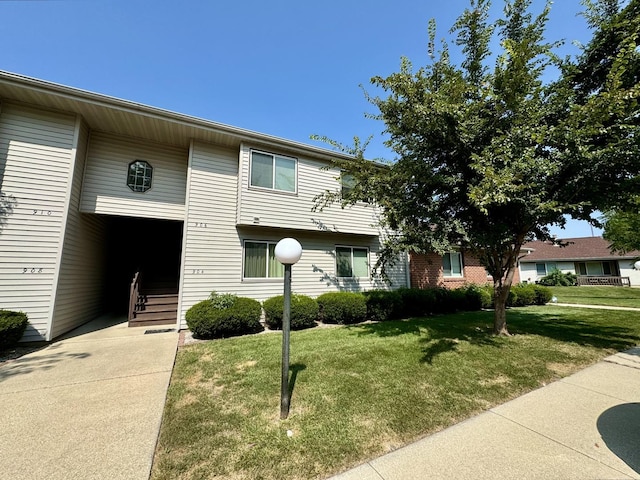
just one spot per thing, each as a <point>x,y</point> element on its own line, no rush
<point>155,307</point>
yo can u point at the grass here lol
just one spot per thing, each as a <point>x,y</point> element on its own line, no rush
<point>361,391</point>
<point>610,296</point>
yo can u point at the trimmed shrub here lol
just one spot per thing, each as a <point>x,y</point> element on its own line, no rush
<point>525,294</point>
<point>511,299</point>
<point>416,302</point>
<point>475,297</point>
<point>457,300</point>
<point>383,305</point>
<point>304,311</point>
<point>543,294</point>
<point>446,301</point>
<point>488,298</point>
<point>558,279</point>
<point>207,320</point>
<point>342,307</point>
<point>485,296</point>
<point>12,327</point>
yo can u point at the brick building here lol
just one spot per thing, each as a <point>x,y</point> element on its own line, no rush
<point>450,270</point>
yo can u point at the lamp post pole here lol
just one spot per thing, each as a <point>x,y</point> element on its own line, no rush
<point>286,333</point>
<point>288,252</point>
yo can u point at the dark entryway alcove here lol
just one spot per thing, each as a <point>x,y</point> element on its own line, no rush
<point>152,247</point>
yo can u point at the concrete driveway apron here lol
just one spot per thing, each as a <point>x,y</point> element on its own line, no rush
<point>88,406</point>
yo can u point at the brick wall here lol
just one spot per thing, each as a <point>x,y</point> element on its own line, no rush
<point>426,271</point>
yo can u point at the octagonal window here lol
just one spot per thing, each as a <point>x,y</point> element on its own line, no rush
<point>139,177</point>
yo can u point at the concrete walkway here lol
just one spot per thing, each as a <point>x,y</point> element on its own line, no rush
<point>586,426</point>
<point>595,307</point>
<point>86,407</point>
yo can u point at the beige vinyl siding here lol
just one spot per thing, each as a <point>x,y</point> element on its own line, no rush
<point>315,273</point>
<point>35,165</point>
<point>105,189</point>
<point>81,277</point>
<point>213,245</point>
<point>294,210</point>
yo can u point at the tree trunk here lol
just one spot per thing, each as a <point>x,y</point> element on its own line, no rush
<point>500,315</point>
<point>501,289</point>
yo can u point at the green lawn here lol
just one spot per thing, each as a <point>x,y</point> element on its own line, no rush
<point>612,296</point>
<point>364,390</point>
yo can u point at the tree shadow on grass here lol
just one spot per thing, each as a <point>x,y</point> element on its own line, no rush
<point>439,334</point>
<point>442,334</point>
<point>573,327</point>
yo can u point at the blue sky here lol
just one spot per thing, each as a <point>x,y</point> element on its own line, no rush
<point>286,68</point>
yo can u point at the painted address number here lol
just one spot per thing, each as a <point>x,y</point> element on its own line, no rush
<point>200,225</point>
<point>42,212</point>
<point>197,271</point>
<point>33,270</point>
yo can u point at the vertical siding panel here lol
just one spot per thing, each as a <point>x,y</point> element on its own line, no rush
<point>105,189</point>
<point>81,279</point>
<point>211,241</point>
<point>35,161</point>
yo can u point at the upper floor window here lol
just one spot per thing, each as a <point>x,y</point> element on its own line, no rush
<point>274,172</point>
<point>139,176</point>
<point>260,260</point>
<point>347,183</point>
<point>452,264</point>
<point>352,261</point>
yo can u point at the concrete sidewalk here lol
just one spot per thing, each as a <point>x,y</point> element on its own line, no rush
<point>595,307</point>
<point>586,426</point>
<point>86,407</point>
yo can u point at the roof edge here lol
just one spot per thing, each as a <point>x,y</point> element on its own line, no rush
<point>142,109</point>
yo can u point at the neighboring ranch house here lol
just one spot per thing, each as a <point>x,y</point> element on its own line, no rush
<point>95,189</point>
<point>589,257</point>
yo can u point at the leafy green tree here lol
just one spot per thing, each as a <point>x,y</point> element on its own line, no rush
<point>489,157</point>
<point>622,229</point>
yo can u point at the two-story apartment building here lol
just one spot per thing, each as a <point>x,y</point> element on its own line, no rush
<point>94,189</point>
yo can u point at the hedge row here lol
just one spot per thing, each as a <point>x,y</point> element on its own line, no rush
<point>227,315</point>
<point>12,327</point>
<point>523,294</point>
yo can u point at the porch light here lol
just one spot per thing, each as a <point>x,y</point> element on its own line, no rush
<point>288,252</point>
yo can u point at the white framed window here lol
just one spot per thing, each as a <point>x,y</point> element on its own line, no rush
<point>598,269</point>
<point>352,262</point>
<point>273,172</point>
<point>452,264</point>
<point>543,269</point>
<point>259,260</point>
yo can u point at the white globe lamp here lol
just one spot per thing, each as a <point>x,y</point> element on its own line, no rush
<point>288,251</point>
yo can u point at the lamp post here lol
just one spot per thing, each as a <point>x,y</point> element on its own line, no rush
<point>288,252</point>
